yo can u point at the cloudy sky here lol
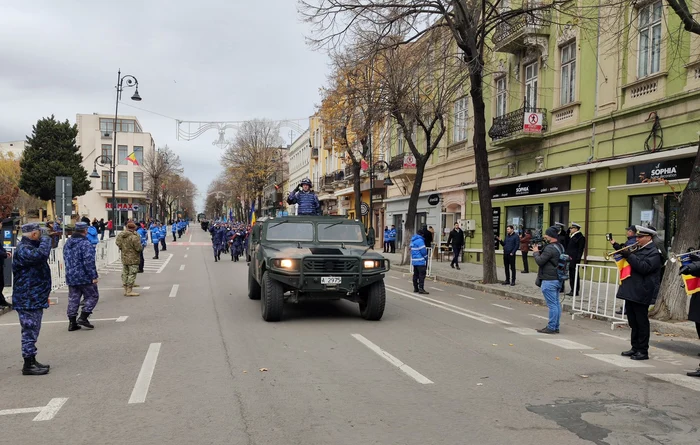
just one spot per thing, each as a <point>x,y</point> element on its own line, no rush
<point>205,60</point>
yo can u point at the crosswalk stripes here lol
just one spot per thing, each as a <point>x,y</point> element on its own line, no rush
<point>564,343</point>
<point>680,380</point>
<point>618,360</point>
<point>149,266</point>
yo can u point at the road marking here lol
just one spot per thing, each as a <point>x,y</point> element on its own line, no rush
<point>618,360</point>
<point>147,287</point>
<point>681,380</point>
<point>66,321</point>
<point>47,412</point>
<point>173,291</point>
<point>121,319</point>
<point>465,296</point>
<point>190,240</point>
<point>524,331</point>
<point>437,289</point>
<point>165,264</point>
<point>143,381</point>
<point>395,278</point>
<point>188,248</point>
<point>540,316</point>
<point>613,336</point>
<point>449,307</point>
<point>563,343</point>
<point>415,375</point>
<point>182,267</point>
<point>185,255</point>
<point>503,307</point>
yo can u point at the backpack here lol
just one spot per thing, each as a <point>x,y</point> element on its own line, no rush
<point>563,263</point>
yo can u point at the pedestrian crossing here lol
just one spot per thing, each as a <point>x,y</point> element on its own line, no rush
<point>149,266</point>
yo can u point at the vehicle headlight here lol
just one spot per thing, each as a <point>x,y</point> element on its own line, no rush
<point>284,264</point>
<point>372,264</point>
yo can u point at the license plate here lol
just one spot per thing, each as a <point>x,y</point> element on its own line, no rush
<point>330,280</point>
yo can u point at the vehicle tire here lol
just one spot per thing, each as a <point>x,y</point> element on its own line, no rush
<point>272,302</point>
<point>253,287</point>
<point>372,301</point>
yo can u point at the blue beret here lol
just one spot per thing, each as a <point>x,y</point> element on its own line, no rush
<point>81,226</point>
<point>31,227</point>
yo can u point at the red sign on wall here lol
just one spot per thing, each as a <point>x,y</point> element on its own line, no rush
<point>532,123</point>
<point>123,207</point>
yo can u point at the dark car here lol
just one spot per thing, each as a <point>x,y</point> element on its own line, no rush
<point>302,258</point>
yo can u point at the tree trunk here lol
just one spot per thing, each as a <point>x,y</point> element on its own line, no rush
<point>410,225</point>
<point>672,300</point>
<point>356,181</point>
<point>483,178</point>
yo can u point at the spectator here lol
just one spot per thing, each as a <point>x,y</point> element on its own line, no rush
<point>110,228</point>
<point>525,239</point>
<point>548,277</point>
<point>510,248</point>
<point>386,239</point>
<point>91,234</point>
<point>456,240</point>
<point>101,228</point>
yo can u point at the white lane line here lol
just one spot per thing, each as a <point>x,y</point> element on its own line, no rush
<point>618,360</point>
<point>437,289</point>
<point>613,336</point>
<point>121,319</point>
<point>50,410</point>
<point>681,380</point>
<point>449,307</point>
<point>182,267</point>
<point>173,291</point>
<point>147,287</point>
<point>540,316</point>
<point>465,296</point>
<point>563,343</point>
<point>502,307</point>
<point>165,264</point>
<point>188,248</point>
<point>415,375</point>
<point>63,321</point>
<point>185,255</point>
<point>393,277</point>
<point>143,381</point>
<point>524,331</point>
<point>190,240</point>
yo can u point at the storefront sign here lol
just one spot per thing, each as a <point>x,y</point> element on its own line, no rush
<point>532,123</point>
<point>496,220</point>
<point>434,199</point>
<point>658,171</point>
<point>548,185</point>
<point>123,207</point>
<point>409,161</point>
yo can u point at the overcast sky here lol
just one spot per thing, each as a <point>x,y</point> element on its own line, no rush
<point>210,60</point>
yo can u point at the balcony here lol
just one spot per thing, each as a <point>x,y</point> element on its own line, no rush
<point>314,153</point>
<point>397,169</point>
<point>517,34</point>
<point>338,177</point>
<point>349,173</point>
<point>509,128</point>
<point>327,183</point>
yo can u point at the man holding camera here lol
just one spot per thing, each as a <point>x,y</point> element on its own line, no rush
<point>548,260</point>
<point>305,198</point>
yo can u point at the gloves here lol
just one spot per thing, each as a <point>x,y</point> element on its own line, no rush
<point>684,270</point>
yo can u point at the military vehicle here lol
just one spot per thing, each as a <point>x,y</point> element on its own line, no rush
<point>302,258</point>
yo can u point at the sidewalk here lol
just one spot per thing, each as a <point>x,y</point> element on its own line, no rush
<point>525,289</point>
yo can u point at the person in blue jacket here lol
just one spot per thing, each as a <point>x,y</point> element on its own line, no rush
<point>392,239</point>
<point>305,198</point>
<point>31,286</point>
<point>173,228</point>
<point>143,234</point>
<point>163,234</point>
<point>91,235</point>
<point>419,261</point>
<point>155,238</point>
<point>386,239</point>
<point>81,277</point>
<point>219,241</point>
<point>511,245</point>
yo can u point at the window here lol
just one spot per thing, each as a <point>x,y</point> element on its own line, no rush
<point>122,153</point>
<point>568,73</point>
<point>559,213</point>
<point>399,140</point>
<point>285,231</point>
<point>649,60</point>
<point>526,218</point>
<point>138,181</point>
<point>460,120</point>
<point>501,95</point>
<point>106,185</point>
<point>531,72</point>
<point>106,152</point>
<point>138,152</point>
<point>350,233</point>
<point>122,180</point>
<point>123,125</point>
<point>106,125</point>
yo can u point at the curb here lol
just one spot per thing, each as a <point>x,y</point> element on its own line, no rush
<point>661,327</point>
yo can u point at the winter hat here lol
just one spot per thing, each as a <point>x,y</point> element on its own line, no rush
<point>131,226</point>
<point>31,227</point>
<point>81,226</point>
<point>552,232</point>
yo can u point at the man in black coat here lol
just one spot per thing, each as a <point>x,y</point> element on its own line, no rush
<point>4,254</point>
<point>694,313</point>
<point>638,290</point>
<point>575,248</point>
<point>456,241</point>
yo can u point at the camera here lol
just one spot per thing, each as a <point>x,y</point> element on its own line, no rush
<point>609,236</point>
<point>540,242</point>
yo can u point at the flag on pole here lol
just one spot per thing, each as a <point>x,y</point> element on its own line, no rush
<point>623,266</point>
<point>132,158</point>
<point>252,214</point>
<point>692,284</point>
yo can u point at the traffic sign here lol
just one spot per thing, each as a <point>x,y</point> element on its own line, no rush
<point>532,123</point>
<point>409,161</point>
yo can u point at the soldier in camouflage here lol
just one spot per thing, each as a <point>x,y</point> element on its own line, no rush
<point>30,293</point>
<point>81,277</point>
<point>129,243</point>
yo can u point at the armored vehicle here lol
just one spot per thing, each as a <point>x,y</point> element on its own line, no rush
<point>301,258</point>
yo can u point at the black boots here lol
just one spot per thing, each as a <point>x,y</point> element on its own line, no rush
<point>32,367</point>
<point>73,324</point>
<point>423,291</point>
<point>83,320</point>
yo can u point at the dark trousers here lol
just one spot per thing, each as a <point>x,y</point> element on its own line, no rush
<point>75,293</point>
<point>392,244</point>
<point>155,249</point>
<point>386,246</point>
<point>174,237</point>
<point>509,263</point>
<point>526,267</point>
<point>102,235</point>
<point>572,278</point>
<point>638,319</point>
<point>141,261</point>
<point>697,328</point>
<point>456,251</point>
<point>162,244</point>
<point>419,273</point>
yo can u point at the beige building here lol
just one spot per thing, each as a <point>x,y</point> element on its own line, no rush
<point>15,148</point>
<point>96,140</point>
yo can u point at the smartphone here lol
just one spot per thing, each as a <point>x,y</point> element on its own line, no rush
<point>608,236</point>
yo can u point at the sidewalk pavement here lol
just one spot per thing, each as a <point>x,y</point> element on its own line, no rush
<point>525,289</point>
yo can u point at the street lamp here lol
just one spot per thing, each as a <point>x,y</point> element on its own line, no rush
<point>125,81</point>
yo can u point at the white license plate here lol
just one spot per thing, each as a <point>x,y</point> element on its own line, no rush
<point>330,280</point>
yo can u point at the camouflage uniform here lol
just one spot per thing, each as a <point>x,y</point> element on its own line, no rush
<point>81,271</point>
<point>129,244</point>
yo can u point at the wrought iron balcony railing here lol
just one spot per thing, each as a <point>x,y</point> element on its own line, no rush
<point>531,22</point>
<point>338,175</point>
<point>396,162</point>
<point>349,172</point>
<point>512,123</point>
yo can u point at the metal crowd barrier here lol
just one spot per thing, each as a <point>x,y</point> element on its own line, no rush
<point>597,296</point>
<point>429,273</point>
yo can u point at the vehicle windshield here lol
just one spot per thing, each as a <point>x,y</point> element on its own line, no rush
<point>290,231</point>
<point>335,232</point>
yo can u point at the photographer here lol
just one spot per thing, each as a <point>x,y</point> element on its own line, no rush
<point>548,277</point>
<point>694,312</point>
<point>306,198</point>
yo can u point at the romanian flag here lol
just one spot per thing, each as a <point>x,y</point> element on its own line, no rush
<point>692,284</point>
<point>623,266</point>
<point>252,215</point>
<point>132,158</point>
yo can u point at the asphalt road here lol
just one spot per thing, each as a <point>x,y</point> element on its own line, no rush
<point>196,364</point>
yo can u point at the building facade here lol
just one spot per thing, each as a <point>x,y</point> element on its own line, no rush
<point>300,153</point>
<point>96,139</point>
<point>13,148</point>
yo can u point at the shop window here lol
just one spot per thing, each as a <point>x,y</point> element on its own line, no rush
<point>421,220</point>
<point>526,218</point>
<point>448,222</point>
<point>658,211</point>
<point>559,213</point>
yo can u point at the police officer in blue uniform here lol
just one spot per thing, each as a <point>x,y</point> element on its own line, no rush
<point>306,198</point>
<point>81,278</point>
<point>31,289</point>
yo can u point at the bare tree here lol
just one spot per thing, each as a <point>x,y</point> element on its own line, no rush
<point>156,166</point>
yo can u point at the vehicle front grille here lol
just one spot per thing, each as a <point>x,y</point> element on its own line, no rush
<point>329,265</point>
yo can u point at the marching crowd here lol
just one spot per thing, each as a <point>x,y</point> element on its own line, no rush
<point>229,238</point>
